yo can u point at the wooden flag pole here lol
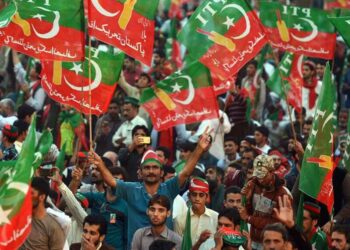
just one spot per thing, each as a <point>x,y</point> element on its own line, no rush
<point>90,99</point>
<point>275,58</point>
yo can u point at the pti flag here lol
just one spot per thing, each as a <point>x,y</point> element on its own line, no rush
<point>173,47</point>
<point>47,30</point>
<point>186,96</point>
<point>228,32</point>
<point>342,25</point>
<point>71,85</point>
<point>299,30</point>
<point>126,24</point>
<point>318,164</point>
<point>222,86</point>
<point>331,4</point>
<point>290,69</point>
<point>15,195</point>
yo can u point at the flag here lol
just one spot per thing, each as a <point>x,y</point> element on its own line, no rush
<point>331,4</point>
<point>342,25</point>
<point>6,13</point>
<point>222,86</point>
<point>299,30</point>
<point>174,8</point>
<point>346,155</point>
<point>42,148</point>
<point>47,30</point>
<point>126,24</point>
<point>187,239</point>
<point>186,96</point>
<point>290,68</point>
<point>61,157</point>
<point>223,35</point>
<point>173,47</point>
<point>318,165</point>
<point>72,86</point>
<point>15,195</point>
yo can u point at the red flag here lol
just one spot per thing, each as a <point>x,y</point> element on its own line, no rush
<point>126,24</point>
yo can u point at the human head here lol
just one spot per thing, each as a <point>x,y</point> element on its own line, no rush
<point>129,63</point>
<point>140,130</point>
<point>309,70</point>
<point>229,218</point>
<point>251,68</point>
<point>198,193</point>
<point>40,191</point>
<point>112,156</point>
<point>9,133</point>
<point>261,135</point>
<point>186,149</point>
<point>130,108</point>
<point>311,215</point>
<point>247,156</point>
<point>263,169</point>
<point>118,173</point>
<point>276,158</point>
<point>233,197</point>
<point>7,107</point>
<point>163,154</point>
<point>34,73</point>
<point>230,146</point>
<point>113,108</point>
<point>246,143</point>
<point>22,128</point>
<point>320,67</point>
<point>274,237</point>
<point>158,57</point>
<point>158,210</point>
<point>143,81</point>
<point>94,229</point>
<point>307,126</point>
<point>169,172</point>
<point>340,237</point>
<point>343,119</point>
<point>151,168</point>
<point>215,174</point>
<point>161,244</point>
<point>25,113</point>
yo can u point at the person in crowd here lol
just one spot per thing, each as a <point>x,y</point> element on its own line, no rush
<point>215,177</point>
<point>25,112</point>
<point>246,143</point>
<point>311,87</point>
<point>46,232</point>
<point>163,155</point>
<point>280,163</point>
<point>7,112</point>
<point>248,155</point>
<point>233,197</point>
<point>158,211</point>
<point>262,192</point>
<point>161,244</point>
<point>7,148</point>
<point>137,195</point>
<point>235,175</point>
<point>123,135</point>
<point>231,147</point>
<point>261,135</point>
<point>203,219</point>
<point>130,157</point>
<point>106,203</point>
<point>94,233</point>
<point>22,128</point>
<point>113,157</point>
<point>314,234</point>
<point>340,238</point>
<point>131,70</point>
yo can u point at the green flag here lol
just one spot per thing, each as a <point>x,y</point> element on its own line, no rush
<point>42,148</point>
<point>346,155</point>
<point>318,165</point>
<point>15,195</point>
<point>60,158</point>
<point>342,24</point>
<point>7,13</point>
<point>187,239</point>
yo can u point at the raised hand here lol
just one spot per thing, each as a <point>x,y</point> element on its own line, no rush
<point>285,211</point>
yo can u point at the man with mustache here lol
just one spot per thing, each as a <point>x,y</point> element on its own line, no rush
<point>138,194</point>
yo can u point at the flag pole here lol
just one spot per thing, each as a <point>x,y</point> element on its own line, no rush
<point>90,112</point>
<point>275,58</point>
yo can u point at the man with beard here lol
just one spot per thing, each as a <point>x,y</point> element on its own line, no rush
<point>262,192</point>
<point>108,205</point>
<point>315,235</point>
<point>214,176</point>
<point>158,211</point>
<point>94,233</point>
<point>138,194</point>
<point>203,219</point>
<point>130,157</point>
<point>46,232</point>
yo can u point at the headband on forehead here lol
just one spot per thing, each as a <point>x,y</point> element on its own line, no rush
<point>199,184</point>
<point>150,157</point>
